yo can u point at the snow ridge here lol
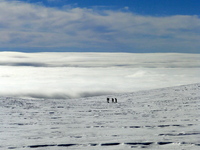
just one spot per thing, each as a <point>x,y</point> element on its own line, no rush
<point>166,118</point>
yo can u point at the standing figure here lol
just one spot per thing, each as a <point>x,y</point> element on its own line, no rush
<point>115,100</point>
<point>107,100</point>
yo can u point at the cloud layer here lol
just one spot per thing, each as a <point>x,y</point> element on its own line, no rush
<point>26,25</point>
<point>72,75</point>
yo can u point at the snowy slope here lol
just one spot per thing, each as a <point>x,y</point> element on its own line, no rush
<point>165,118</point>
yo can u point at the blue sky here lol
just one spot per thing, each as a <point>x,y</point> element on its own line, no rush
<point>138,26</point>
<point>145,7</point>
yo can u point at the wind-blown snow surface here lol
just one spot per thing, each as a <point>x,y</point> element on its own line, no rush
<point>165,118</point>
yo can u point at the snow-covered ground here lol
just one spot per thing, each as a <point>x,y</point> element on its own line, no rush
<point>166,118</point>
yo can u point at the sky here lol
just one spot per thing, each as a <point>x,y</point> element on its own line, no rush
<point>75,75</point>
<point>133,44</point>
<point>134,26</point>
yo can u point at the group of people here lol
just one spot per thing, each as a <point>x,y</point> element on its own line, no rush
<point>113,100</point>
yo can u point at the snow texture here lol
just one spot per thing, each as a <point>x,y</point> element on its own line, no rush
<point>166,118</point>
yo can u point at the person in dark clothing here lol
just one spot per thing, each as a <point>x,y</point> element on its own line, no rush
<point>113,100</point>
<point>107,100</point>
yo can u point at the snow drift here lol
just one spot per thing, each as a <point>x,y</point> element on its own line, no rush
<point>166,118</point>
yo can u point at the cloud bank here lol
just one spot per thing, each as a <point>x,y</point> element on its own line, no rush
<point>25,25</point>
<point>73,75</point>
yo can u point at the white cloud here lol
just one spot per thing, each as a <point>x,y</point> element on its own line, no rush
<point>26,25</point>
<point>126,8</point>
<point>70,75</point>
